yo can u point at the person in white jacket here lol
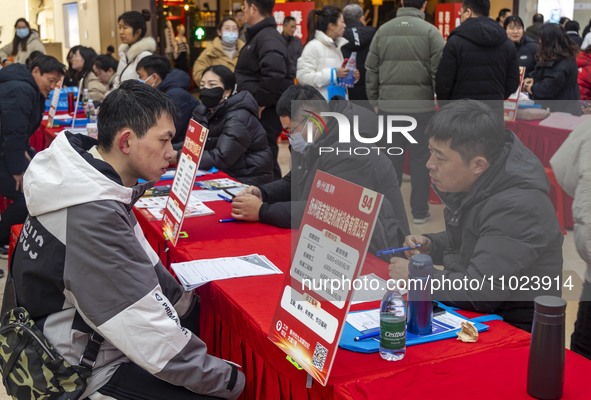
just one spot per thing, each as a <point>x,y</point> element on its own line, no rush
<point>322,52</point>
<point>135,45</point>
<point>572,166</point>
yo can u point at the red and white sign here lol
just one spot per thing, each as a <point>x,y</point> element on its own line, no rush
<point>184,179</point>
<point>447,18</point>
<point>54,101</point>
<point>335,232</point>
<point>511,103</point>
<point>298,10</point>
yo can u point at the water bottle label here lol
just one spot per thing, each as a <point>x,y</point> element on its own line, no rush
<point>393,335</point>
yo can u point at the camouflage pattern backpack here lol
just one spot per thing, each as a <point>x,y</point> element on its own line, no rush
<point>31,367</point>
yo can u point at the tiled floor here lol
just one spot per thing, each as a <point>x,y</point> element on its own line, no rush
<point>571,258</point>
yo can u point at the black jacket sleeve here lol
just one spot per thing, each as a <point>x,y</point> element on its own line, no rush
<point>446,73</point>
<point>17,108</point>
<point>548,82</point>
<point>512,77</point>
<point>231,144</point>
<point>273,71</point>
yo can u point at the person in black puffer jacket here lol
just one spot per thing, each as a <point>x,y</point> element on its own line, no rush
<point>237,142</point>
<point>527,48</point>
<point>554,82</point>
<point>479,61</point>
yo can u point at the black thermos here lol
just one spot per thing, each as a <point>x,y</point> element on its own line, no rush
<point>545,372</point>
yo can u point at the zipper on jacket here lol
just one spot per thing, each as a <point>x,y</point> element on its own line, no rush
<point>35,337</point>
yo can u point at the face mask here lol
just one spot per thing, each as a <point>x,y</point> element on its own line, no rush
<point>229,37</point>
<point>211,97</point>
<point>298,143</point>
<point>22,32</point>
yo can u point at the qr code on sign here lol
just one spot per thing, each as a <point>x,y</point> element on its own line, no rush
<point>319,356</point>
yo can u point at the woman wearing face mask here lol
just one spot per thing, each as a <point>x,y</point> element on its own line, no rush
<point>224,49</point>
<point>80,65</point>
<point>237,143</point>
<point>26,41</point>
<point>322,53</point>
<point>135,45</point>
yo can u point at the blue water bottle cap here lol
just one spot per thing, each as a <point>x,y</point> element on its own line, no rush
<point>421,265</point>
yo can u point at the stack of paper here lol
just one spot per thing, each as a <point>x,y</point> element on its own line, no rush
<point>193,274</point>
<point>156,205</point>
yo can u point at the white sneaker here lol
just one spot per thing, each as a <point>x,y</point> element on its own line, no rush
<point>4,252</point>
<point>420,221</point>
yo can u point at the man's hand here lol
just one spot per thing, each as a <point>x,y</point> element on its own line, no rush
<point>246,207</point>
<point>527,84</point>
<point>342,72</point>
<point>413,240</point>
<point>255,191</point>
<point>19,182</point>
<point>261,109</point>
<point>398,268</point>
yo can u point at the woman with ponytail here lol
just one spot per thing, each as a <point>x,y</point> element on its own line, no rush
<point>322,52</point>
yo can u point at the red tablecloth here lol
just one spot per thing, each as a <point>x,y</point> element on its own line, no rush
<point>543,141</point>
<point>236,315</point>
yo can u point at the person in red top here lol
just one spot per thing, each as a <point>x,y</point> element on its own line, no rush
<point>584,78</point>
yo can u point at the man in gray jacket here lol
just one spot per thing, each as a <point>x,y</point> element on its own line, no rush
<point>401,65</point>
<point>82,263</point>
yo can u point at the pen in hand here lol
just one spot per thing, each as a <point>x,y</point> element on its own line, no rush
<point>396,250</point>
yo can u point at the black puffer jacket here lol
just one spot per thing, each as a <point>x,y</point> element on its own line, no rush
<point>176,86</point>
<point>504,227</point>
<point>285,199</point>
<point>478,62</point>
<point>262,66</point>
<point>527,49</point>
<point>237,143</point>
<point>21,108</point>
<point>359,37</point>
<point>557,80</point>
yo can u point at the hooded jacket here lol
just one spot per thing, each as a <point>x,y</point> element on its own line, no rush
<point>359,37</point>
<point>176,86</point>
<point>262,65</point>
<point>557,80</point>
<point>214,55</point>
<point>504,227</point>
<point>478,62</point>
<point>130,56</point>
<point>33,44</point>
<point>83,264</point>
<point>584,76</point>
<point>402,63</point>
<point>319,57</point>
<point>21,111</point>
<point>237,142</point>
<point>284,200</point>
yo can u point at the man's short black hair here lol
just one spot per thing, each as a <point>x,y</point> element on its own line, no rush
<point>105,62</point>
<point>538,18</point>
<point>572,26</point>
<point>418,4</point>
<point>135,106</point>
<point>471,127</point>
<point>265,7</point>
<point>299,94</point>
<point>479,7</point>
<point>48,64</point>
<point>288,19</point>
<point>155,64</point>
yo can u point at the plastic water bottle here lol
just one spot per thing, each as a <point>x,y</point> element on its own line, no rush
<point>420,307</point>
<point>85,98</point>
<point>392,326</point>
<point>349,80</point>
<point>90,110</point>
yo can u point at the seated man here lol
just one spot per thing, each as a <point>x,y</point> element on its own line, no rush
<point>155,71</point>
<point>282,202</point>
<point>83,263</point>
<point>501,228</point>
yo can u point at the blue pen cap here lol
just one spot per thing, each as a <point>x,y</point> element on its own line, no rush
<point>420,266</point>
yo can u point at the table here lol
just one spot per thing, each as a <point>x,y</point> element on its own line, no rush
<point>544,141</point>
<point>236,316</point>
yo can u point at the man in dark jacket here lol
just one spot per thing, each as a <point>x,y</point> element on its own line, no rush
<point>293,45</point>
<point>479,61</point>
<point>282,202</point>
<point>22,101</point>
<point>500,224</point>
<point>156,72</point>
<point>533,31</point>
<point>262,68</point>
<point>359,36</point>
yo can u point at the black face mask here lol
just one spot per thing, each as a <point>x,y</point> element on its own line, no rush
<point>211,97</point>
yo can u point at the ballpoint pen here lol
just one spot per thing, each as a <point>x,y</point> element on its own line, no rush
<point>396,250</point>
<point>225,198</point>
<point>370,333</point>
<point>228,220</point>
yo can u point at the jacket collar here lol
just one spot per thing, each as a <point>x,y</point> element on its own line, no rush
<point>410,12</point>
<point>130,53</point>
<point>328,41</point>
<point>259,26</point>
<point>218,50</point>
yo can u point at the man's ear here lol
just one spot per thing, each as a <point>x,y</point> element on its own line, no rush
<point>479,165</point>
<point>123,142</point>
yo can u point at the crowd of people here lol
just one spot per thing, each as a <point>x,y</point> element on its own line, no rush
<point>252,81</point>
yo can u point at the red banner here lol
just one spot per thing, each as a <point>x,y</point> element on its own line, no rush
<point>447,17</point>
<point>298,10</point>
<point>336,229</point>
<point>184,179</point>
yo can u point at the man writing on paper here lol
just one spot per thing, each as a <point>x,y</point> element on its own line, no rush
<point>500,223</point>
<point>83,263</point>
<point>282,202</point>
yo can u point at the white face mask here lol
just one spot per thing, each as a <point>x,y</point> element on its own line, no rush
<point>298,143</point>
<point>229,37</point>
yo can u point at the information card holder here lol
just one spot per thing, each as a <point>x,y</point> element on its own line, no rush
<point>54,102</point>
<point>336,229</point>
<point>184,179</point>
<point>511,104</point>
